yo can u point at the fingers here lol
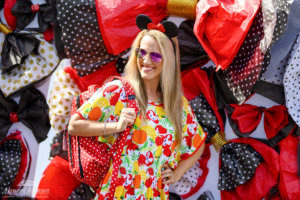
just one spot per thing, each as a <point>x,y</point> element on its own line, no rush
<point>167,175</point>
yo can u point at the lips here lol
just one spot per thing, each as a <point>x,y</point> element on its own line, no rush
<point>147,68</point>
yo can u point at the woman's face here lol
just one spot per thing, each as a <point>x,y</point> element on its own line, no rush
<point>150,61</point>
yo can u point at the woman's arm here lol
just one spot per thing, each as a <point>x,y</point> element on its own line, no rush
<point>170,176</point>
<point>89,128</point>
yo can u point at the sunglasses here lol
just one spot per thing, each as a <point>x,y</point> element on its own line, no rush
<point>154,56</point>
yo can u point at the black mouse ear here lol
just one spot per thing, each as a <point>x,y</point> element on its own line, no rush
<point>142,21</point>
<point>171,29</point>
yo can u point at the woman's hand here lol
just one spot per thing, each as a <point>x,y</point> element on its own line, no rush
<point>168,175</point>
<point>127,117</point>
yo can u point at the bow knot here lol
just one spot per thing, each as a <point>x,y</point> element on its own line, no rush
<point>13,117</point>
<point>35,8</point>
<point>159,27</point>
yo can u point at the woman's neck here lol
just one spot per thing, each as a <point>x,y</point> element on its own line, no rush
<point>152,90</point>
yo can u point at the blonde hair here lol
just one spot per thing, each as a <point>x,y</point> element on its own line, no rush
<point>170,79</point>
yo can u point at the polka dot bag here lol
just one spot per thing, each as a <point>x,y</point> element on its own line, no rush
<point>89,159</point>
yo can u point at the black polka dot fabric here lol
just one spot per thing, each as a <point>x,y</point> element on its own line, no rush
<point>291,83</point>
<point>238,164</point>
<point>121,62</point>
<point>205,116</point>
<point>83,192</point>
<point>10,159</point>
<point>245,69</point>
<point>81,36</point>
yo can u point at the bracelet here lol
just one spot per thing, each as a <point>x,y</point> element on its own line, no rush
<point>104,128</point>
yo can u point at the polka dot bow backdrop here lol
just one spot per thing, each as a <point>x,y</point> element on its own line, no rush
<point>15,162</point>
<point>35,67</point>
<point>81,36</point>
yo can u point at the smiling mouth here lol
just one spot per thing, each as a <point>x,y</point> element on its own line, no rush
<point>146,69</point>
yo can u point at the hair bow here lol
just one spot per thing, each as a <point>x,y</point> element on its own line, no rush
<point>25,12</point>
<point>32,111</point>
<point>16,48</point>
<point>167,27</point>
<point>15,162</point>
<point>245,118</point>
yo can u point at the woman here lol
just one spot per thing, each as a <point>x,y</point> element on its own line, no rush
<point>166,139</point>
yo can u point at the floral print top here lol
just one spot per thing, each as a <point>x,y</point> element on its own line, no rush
<point>150,145</point>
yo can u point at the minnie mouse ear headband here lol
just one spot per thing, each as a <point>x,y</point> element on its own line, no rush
<point>167,27</point>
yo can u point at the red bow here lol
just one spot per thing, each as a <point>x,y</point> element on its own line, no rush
<point>13,117</point>
<point>159,27</point>
<point>35,8</point>
<point>248,117</point>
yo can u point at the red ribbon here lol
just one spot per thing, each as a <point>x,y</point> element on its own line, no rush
<point>35,8</point>
<point>248,117</point>
<point>159,27</point>
<point>13,117</point>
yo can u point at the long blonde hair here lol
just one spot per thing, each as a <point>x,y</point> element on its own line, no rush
<point>170,80</point>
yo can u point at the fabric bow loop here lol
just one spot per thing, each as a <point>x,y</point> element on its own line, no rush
<point>16,47</point>
<point>248,117</point>
<point>32,111</point>
<point>159,27</point>
<point>25,12</point>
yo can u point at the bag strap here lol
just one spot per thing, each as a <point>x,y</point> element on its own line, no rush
<point>117,148</point>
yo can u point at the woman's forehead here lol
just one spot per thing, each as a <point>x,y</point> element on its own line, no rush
<point>150,44</point>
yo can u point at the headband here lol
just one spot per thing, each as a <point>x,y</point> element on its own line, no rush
<point>167,27</point>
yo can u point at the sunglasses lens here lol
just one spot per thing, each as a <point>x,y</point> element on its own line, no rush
<point>155,57</point>
<point>141,53</point>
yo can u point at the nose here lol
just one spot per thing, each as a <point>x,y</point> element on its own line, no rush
<point>147,59</point>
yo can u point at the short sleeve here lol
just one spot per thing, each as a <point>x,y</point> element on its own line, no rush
<point>193,135</point>
<point>105,105</point>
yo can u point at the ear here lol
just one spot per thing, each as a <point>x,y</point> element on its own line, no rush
<point>142,21</point>
<point>171,29</point>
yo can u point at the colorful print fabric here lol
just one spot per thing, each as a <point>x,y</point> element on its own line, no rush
<point>150,145</point>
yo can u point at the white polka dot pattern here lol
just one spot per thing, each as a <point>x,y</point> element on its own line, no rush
<point>189,180</point>
<point>291,83</point>
<point>205,116</point>
<point>34,68</point>
<point>60,99</point>
<point>238,164</point>
<point>10,159</point>
<point>81,36</point>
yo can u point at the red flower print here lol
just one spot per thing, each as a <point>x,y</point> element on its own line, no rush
<point>150,171</point>
<point>192,129</point>
<point>160,129</point>
<point>122,170</point>
<point>167,141</point>
<point>131,147</point>
<point>156,193</point>
<point>123,97</point>
<point>128,181</point>
<point>112,118</point>
<point>152,116</point>
<point>141,197</point>
<point>188,141</point>
<point>142,159</point>
<point>114,99</point>
<point>121,181</point>
<point>149,158</point>
<point>130,191</point>
<point>167,152</point>
<point>148,182</point>
<point>109,90</point>
<point>159,141</point>
<point>189,119</point>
